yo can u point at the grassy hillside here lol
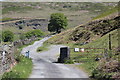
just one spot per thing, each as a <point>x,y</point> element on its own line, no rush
<point>87,32</point>
<point>107,13</point>
<point>89,37</point>
<point>82,11</point>
<point>77,13</point>
<point>99,63</point>
<point>88,58</point>
<point>93,7</point>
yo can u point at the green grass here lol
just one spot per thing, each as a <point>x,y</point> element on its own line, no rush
<point>24,66</point>
<point>88,67</point>
<point>44,47</point>
<point>106,13</point>
<point>103,41</point>
<point>6,19</point>
<point>79,17</point>
<point>20,70</point>
<point>87,59</point>
<point>0,76</point>
<point>16,8</point>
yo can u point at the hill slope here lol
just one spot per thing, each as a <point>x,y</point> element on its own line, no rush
<point>88,32</point>
<point>99,63</point>
<point>13,11</point>
<point>77,13</point>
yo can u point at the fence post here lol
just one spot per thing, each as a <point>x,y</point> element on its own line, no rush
<point>110,46</point>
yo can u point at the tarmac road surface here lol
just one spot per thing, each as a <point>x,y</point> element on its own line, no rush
<point>44,65</point>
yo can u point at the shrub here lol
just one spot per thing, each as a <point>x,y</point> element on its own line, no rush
<point>28,34</point>
<point>36,33</point>
<point>7,36</point>
<point>68,61</point>
<point>106,70</point>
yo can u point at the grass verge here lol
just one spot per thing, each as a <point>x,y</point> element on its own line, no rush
<point>44,47</point>
<point>21,70</point>
<point>108,12</point>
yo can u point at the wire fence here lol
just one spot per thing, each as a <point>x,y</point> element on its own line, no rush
<point>90,54</point>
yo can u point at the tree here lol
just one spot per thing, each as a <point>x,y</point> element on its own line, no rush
<point>58,21</point>
<point>7,36</point>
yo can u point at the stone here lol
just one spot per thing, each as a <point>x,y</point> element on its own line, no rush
<point>64,54</point>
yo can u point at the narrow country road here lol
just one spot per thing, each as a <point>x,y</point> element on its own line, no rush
<point>44,65</point>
